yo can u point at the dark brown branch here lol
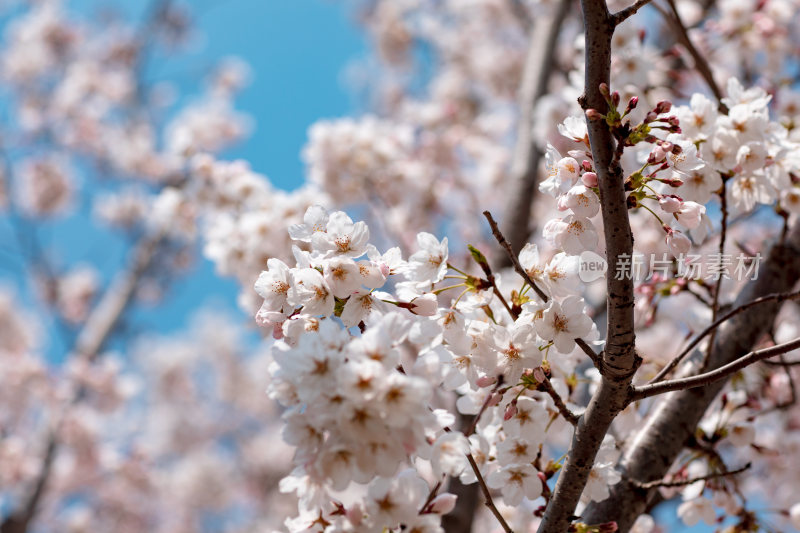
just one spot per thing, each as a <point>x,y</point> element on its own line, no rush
<point>620,360</point>
<point>718,285</point>
<point>700,63</point>
<point>782,363</point>
<point>646,391</point>
<point>568,415</point>
<point>620,16</point>
<point>596,359</point>
<point>513,257</point>
<point>777,297</point>
<point>487,495</point>
<point>673,420</point>
<point>686,482</point>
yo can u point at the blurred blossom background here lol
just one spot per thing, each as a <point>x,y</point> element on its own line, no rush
<point>153,416</point>
<point>152,155</point>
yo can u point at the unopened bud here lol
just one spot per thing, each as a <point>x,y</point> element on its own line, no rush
<point>594,114</point>
<point>672,182</point>
<point>650,117</point>
<point>538,374</point>
<point>632,103</point>
<point>511,410</point>
<point>589,179</point>
<point>663,107</point>
<point>425,305</point>
<point>485,381</point>
<point>615,98</point>
<point>604,90</point>
<point>443,503</point>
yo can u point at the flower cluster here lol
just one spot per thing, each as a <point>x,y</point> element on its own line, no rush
<point>360,400</point>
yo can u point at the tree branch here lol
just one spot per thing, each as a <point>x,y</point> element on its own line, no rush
<point>700,63</point>
<point>723,372</point>
<point>778,297</point>
<point>620,360</point>
<point>686,482</point>
<point>487,495</point>
<point>568,415</point>
<point>512,257</point>
<point>621,16</point>
<point>674,419</point>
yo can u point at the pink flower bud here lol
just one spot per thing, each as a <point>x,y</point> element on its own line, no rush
<point>425,305</point>
<point>443,503</point>
<point>511,410</point>
<point>669,204</point>
<point>632,103</point>
<point>589,179</point>
<point>672,182</point>
<point>663,107</point>
<point>587,165</point>
<point>657,155</point>
<point>494,400</point>
<point>538,374</point>
<point>485,381</point>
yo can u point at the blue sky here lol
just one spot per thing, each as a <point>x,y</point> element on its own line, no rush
<point>297,51</point>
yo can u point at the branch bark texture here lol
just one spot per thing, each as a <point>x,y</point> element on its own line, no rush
<point>619,357</point>
<point>653,450</point>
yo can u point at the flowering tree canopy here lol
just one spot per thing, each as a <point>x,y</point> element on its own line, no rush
<point>552,269</point>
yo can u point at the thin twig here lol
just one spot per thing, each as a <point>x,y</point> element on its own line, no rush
<point>431,496</point>
<point>568,415</point>
<point>596,359</point>
<point>784,364</point>
<point>700,63</point>
<point>487,495</point>
<point>646,391</point>
<point>620,16</point>
<point>471,429</point>
<point>776,297</point>
<point>686,482</point>
<point>513,257</point>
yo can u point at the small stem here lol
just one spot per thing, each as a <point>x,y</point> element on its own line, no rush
<point>686,482</point>
<point>777,297</point>
<point>620,16</point>
<point>487,495</point>
<point>513,257</point>
<point>654,214</point>
<point>568,415</point>
<point>646,391</point>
